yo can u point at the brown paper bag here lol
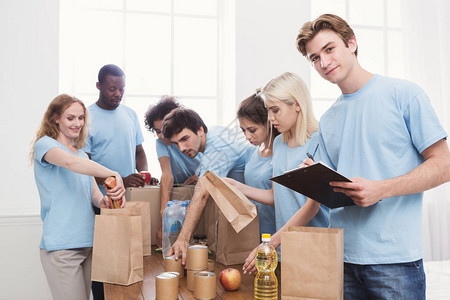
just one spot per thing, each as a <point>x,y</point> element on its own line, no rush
<point>182,192</point>
<point>312,262</point>
<point>211,218</point>
<point>143,209</point>
<point>231,221</point>
<point>136,208</point>
<point>152,195</point>
<point>233,248</point>
<point>236,208</point>
<point>117,256</point>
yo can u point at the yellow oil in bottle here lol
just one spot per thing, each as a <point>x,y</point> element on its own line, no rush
<point>266,260</point>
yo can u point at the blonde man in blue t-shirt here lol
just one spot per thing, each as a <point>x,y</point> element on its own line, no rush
<point>383,134</point>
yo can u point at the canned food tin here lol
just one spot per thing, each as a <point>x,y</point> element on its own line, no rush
<point>147,177</point>
<point>166,285</point>
<point>205,285</point>
<point>172,265</point>
<point>197,257</point>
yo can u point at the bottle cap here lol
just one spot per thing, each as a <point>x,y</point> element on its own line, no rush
<point>265,237</point>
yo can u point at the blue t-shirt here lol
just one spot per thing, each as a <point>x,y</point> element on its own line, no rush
<point>225,153</point>
<point>113,137</point>
<point>287,201</point>
<point>66,205</point>
<point>377,133</point>
<point>257,172</point>
<point>181,165</point>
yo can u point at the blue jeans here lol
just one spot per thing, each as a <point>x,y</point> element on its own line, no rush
<point>387,281</point>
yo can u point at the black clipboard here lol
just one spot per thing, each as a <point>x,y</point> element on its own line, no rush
<point>313,182</point>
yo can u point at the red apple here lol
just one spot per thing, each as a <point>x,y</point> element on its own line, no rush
<point>230,279</point>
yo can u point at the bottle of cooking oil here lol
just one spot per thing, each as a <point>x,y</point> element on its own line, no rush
<point>266,283</point>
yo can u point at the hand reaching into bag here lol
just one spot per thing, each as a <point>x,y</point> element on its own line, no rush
<point>115,192</point>
<point>192,180</point>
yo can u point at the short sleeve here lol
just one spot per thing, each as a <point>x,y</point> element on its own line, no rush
<point>161,149</point>
<point>42,146</point>
<point>422,122</point>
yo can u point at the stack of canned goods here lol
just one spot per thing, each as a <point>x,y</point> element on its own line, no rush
<point>172,265</point>
<point>197,260</point>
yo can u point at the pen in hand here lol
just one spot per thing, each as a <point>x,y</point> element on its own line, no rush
<point>310,156</point>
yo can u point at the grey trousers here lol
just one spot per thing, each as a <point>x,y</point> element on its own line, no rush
<point>68,273</point>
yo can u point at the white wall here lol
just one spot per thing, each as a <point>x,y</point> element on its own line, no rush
<point>266,31</point>
<point>29,80</point>
<point>21,275</point>
<point>265,47</point>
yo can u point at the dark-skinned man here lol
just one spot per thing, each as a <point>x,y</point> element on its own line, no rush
<point>115,137</point>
